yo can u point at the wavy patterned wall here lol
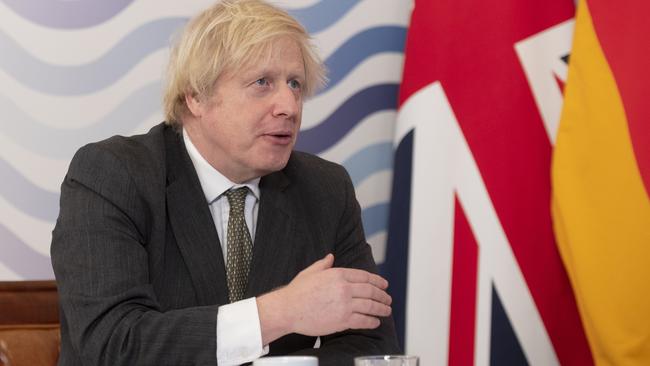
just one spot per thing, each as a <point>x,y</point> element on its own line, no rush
<point>75,72</point>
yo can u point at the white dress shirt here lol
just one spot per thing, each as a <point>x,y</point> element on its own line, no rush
<point>239,335</point>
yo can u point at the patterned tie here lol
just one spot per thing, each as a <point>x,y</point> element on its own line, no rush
<point>240,245</point>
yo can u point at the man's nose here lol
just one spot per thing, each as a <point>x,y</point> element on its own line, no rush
<point>287,102</point>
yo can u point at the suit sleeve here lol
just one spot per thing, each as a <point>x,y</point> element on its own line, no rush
<point>109,310</point>
<point>352,251</point>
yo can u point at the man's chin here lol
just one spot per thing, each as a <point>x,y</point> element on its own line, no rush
<point>269,160</point>
<point>272,166</point>
<point>277,166</point>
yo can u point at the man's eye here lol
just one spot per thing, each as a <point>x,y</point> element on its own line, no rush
<point>262,82</point>
<point>294,84</point>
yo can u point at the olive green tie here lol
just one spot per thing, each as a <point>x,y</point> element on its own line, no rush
<point>240,245</point>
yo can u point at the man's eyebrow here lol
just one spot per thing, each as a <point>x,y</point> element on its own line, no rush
<point>258,71</point>
<point>253,71</point>
<point>297,75</point>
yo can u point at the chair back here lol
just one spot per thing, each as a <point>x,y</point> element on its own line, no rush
<point>29,323</point>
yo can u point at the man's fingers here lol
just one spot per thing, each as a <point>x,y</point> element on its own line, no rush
<point>361,276</point>
<point>368,291</point>
<point>361,321</point>
<point>370,307</point>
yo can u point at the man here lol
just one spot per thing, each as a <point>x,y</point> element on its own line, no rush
<point>207,240</point>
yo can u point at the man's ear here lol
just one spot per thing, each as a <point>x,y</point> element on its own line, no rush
<point>194,104</point>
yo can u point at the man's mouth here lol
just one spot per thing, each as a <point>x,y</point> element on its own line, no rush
<point>279,137</point>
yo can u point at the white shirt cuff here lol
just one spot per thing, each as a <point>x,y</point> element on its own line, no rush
<point>239,335</point>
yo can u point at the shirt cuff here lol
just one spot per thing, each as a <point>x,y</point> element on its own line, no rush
<point>239,335</point>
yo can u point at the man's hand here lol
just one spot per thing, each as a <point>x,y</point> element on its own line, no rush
<point>323,300</point>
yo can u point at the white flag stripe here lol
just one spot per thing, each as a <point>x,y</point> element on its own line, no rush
<point>540,56</point>
<point>443,164</point>
<point>431,229</point>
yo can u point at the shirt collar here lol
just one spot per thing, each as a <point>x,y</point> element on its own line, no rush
<point>213,183</point>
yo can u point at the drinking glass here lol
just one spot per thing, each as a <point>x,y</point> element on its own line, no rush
<point>386,361</point>
<point>287,361</point>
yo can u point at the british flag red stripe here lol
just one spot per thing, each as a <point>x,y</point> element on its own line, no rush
<point>480,95</point>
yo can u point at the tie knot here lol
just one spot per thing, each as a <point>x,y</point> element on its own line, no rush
<point>237,198</point>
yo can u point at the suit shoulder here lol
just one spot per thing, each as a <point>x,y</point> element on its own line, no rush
<point>122,164</point>
<point>139,153</point>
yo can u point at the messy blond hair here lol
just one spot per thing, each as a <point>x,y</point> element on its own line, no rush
<point>226,37</point>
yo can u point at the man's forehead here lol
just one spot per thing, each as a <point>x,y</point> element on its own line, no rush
<point>266,61</point>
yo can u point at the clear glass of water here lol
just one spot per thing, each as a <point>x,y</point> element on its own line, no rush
<point>287,361</point>
<point>387,361</point>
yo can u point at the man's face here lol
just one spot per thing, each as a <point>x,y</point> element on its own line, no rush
<point>249,125</point>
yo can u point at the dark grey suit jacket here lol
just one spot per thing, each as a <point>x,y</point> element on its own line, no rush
<point>139,266</point>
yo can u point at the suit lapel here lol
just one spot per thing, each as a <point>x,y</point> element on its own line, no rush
<point>273,245</point>
<point>193,226</point>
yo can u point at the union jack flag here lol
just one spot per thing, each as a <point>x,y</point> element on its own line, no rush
<point>470,217</point>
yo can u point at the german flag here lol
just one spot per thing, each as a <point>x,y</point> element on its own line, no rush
<point>601,178</point>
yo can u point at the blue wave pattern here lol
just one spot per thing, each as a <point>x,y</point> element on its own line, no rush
<point>32,200</point>
<point>360,47</point>
<point>143,102</point>
<point>374,218</point>
<point>67,14</point>
<point>323,14</point>
<point>21,259</point>
<point>96,75</point>
<point>359,106</point>
<point>369,160</point>
<point>90,77</point>
<point>61,143</point>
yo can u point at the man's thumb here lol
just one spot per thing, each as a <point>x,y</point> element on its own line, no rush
<point>321,264</point>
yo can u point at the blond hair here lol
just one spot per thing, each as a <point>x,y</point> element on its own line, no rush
<point>226,37</point>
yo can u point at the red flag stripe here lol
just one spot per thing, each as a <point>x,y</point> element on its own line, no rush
<point>618,26</point>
